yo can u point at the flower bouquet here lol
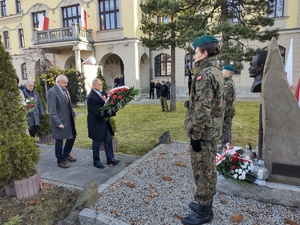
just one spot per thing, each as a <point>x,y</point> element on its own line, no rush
<point>117,98</point>
<point>232,165</point>
<point>29,104</point>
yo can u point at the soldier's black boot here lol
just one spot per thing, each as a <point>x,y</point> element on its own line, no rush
<point>194,206</point>
<point>202,216</point>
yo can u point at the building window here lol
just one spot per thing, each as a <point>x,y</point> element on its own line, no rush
<point>234,10</point>
<point>21,38</point>
<point>109,14</point>
<point>189,64</point>
<point>71,14</point>
<point>3,8</point>
<point>162,20</point>
<point>278,7</point>
<point>24,71</point>
<point>18,6</point>
<point>6,39</point>
<point>35,18</point>
<point>163,65</point>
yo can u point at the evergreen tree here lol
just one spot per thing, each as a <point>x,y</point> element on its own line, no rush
<point>236,21</point>
<point>164,29</point>
<point>101,77</point>
<point>18,152</point>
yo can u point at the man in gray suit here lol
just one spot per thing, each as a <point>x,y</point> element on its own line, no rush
<point>62,119</point>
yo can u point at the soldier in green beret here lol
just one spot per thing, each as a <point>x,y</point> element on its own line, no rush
<point>229,96</point>
<point>203,123</point>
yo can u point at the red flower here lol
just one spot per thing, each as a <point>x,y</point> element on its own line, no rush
<point>112,102</point>
<point>114,96</point>
<point>234,159</point>
<point>233,167</point>
<point>123,90</point>
<point>120,97</point>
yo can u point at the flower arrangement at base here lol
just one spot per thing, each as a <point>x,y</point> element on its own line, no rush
<point>231,165</point>
<point>29,104</point>
<point>117,98</point>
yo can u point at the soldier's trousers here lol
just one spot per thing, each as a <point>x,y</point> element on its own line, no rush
<point>205,172</point>
<point>164,103</point>
<point>226,130</point>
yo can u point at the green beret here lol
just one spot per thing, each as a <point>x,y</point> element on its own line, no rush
<point>229,67</point>
<point>204,40</point>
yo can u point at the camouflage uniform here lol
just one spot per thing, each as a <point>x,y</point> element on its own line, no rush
<point>204,118</point>
<point>229,96</point>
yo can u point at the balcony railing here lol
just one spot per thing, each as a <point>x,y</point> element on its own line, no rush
<point>74,33</point>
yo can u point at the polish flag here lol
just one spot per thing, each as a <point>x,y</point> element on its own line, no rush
<point>83,18</point>
<point>289,65</point>
<point>43,22</point>
<point>297,93</point>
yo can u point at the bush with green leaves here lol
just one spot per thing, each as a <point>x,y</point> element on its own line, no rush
<point>45,127</point>
<point>101,77</point>
<point>18,152</point>
<point>76,84</point>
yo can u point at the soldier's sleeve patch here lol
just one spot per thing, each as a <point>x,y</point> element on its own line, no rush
<point>199,78</point>
<point>225,86</point>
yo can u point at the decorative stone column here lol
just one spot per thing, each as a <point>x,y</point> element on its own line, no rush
<point>77,57</point>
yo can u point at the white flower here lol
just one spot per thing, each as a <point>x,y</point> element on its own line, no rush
<point>242,177</point>
<point>235,176</point>
<point>240,171</point>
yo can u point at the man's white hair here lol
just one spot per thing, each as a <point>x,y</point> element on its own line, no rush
<point>60,77</point>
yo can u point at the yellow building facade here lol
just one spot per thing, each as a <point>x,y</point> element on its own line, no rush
<point>111,40</point>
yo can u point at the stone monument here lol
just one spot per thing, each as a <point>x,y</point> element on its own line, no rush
<point>256,70</point>
<point>280,121</point>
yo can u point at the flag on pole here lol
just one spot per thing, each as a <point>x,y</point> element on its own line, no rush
<point>43,22</point>
<point>83,18</point>
<point>297,93</point>
<point>289,65</point>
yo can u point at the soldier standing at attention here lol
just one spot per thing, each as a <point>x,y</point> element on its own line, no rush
<point>229,96</point>
<point>203,123</point>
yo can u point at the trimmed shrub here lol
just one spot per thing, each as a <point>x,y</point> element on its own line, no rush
<point>18,152</point>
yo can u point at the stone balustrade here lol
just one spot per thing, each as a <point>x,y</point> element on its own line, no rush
<point>73,33</point>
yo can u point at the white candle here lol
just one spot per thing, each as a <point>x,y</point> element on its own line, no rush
<point>260,174</point>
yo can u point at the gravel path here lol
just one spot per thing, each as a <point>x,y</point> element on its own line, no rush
<point>158,190</point>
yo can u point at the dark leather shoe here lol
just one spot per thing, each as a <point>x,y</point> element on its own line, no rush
<point>70,158</point>
<point>99,165</point>
<point>63,165</point>
<point>113,162</point>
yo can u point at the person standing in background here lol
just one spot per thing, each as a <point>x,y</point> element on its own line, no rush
<point>62,120</point>
<point>229,96</point>
<point>203,123</point>
<point>33,117</point>
<point>169,84</point>
<point>151,92</point>
<point>157,86</point>
<point>163,96</point>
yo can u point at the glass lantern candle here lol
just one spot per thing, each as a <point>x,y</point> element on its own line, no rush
<point>262,172</point>
<point>247,152</point>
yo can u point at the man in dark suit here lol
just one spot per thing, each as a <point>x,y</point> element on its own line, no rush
<point>99,129</point>
<point>33,117</point>
<point>62,119</point>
